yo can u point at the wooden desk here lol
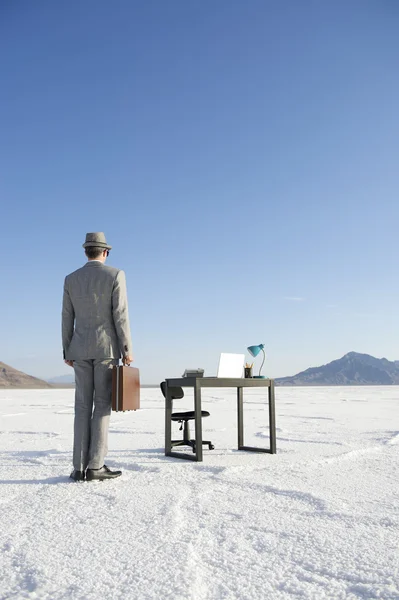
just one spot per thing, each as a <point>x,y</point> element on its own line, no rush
<point>215,382</point>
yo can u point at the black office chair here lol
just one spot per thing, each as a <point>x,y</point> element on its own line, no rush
<point>176,393</point>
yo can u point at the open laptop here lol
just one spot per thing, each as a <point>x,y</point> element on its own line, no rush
<point>231,365</point>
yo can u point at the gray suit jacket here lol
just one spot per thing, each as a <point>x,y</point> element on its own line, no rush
<point>95,319</point>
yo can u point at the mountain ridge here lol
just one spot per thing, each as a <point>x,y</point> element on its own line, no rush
<point>353,368</point>
<point>62,379</point>
<point>12,378</point>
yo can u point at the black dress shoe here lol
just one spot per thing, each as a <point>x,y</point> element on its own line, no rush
<point>101,474</point>
<point>77,475</point>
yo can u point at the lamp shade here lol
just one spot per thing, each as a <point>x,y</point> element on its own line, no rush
<point>254,350</point>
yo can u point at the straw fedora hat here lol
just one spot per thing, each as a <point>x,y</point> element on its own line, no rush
<point>96,240</point>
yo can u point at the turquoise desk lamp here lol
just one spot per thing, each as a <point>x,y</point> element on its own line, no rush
<point>254,351</point>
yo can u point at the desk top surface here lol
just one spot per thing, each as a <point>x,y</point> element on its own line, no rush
<point>218,382</point>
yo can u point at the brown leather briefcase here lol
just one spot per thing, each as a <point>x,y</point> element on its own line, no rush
<point>125,388</point>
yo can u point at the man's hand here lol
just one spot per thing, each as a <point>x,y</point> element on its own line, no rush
<point>69,363</point>
<point>126,360</point>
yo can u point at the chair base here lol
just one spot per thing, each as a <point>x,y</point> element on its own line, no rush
<point>186,441</point>
<point>192,444</point>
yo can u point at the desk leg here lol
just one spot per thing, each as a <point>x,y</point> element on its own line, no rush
<point>168,423</point>
<point>198,422</point>
<point>240,418</point>
<point>272,423</point>
<point>272,419</point>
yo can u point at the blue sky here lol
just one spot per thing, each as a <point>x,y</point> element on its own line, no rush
<point>241,157</point>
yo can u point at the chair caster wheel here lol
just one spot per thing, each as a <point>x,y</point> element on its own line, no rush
<point>211,447</point>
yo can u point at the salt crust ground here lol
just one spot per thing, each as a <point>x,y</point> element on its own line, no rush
<point>320,519</point>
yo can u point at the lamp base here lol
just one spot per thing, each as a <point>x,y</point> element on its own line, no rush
<point>259,377</point>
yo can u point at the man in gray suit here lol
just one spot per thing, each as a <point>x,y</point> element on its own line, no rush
<point>95,335</point>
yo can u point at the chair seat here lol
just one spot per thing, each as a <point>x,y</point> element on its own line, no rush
<point>188,416</point>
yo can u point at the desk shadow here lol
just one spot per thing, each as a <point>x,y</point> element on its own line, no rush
<point>153,455</point>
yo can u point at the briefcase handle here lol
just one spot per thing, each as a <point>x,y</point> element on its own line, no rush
<point>120,363</point>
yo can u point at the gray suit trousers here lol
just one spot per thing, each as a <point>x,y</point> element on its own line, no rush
<point>93,380</point>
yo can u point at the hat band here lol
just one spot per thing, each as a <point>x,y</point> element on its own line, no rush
<point>96,245</point>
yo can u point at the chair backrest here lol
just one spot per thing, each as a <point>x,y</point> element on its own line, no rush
<point>176,393</point>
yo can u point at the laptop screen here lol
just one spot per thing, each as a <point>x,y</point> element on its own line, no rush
<point>231,365</point>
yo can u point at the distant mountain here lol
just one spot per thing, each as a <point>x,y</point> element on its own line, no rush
<point>11,378</point>
<point>351,369</point>
<point>63,379</point>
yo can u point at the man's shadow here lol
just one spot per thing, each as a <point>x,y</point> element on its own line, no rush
<point>49,480</point>
<point>32,457</point>
<point>140,457</point>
